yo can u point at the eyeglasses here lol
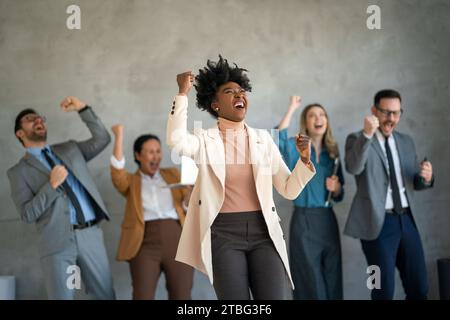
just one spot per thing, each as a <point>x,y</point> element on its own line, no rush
<point>235,91</point>
<point>33,118</point>
<point>387,113</point>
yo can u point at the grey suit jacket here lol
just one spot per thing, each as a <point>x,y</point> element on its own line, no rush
<point>37,202</point>
<point>365,159</point>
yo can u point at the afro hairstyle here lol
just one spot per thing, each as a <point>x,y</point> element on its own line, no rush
<point>211,77</point>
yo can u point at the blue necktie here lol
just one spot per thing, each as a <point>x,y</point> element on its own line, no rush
<point>68,190</point>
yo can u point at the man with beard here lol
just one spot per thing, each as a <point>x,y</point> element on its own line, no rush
<point>387,172</point>
<point>51,186</point>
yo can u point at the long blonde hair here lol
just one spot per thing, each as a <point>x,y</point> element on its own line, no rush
<point>328,140</point>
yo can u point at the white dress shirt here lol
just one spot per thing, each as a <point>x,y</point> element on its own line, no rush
<point>157,201</point>
<point>398,172</point>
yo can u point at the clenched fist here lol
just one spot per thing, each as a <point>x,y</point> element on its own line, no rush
<point>185,81</point>
<point>333,185</point>
<point>303,143</point>
<point>371,125</point>
<point>426,171</point>
<point>57,176</point>
<point>72,104</point>
<point>117,130</point>
<point>295,102</point>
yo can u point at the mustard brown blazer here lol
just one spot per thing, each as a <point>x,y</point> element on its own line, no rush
<point>133,225</point>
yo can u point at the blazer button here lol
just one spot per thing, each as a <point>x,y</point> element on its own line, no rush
<point>172,112</point>
<point>199,202</point>
<point>273,209</point>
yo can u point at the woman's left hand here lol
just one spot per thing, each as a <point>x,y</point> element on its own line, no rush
<point>333,184</point>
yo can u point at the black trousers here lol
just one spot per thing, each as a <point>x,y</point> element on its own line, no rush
<point>315,254</point>
<point>244,259</point>
<point>398,245</point>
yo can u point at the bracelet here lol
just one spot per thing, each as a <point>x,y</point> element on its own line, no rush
<point>306,163</point>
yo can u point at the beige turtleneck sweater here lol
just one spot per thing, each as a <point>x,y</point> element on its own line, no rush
<point>240,188</point>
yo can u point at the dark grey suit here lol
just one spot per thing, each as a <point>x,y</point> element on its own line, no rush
<point>388,240</point>
<point>37,202</point>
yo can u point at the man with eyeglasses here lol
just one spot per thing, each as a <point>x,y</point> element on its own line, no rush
<point>387,172</point>
<point>51,186</point>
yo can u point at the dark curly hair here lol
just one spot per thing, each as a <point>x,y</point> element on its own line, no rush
<point>211,77</point>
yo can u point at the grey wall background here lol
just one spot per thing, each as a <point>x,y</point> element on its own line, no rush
<point>124,61</point>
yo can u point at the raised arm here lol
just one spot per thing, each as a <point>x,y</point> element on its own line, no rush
<point>100,136</point>
<point>121,179</point>
<point>178,137</point>
<point>357,146</point>
<point>294,104</point>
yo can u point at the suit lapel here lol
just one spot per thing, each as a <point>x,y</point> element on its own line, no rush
<point>379,151</point>
<point>216,153</point>
<point>400,151</point>
<point>57,150</point>
<point>33,161</point>
<point>255,145</point>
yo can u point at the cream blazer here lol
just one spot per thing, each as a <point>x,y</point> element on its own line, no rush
<point>207,149</point>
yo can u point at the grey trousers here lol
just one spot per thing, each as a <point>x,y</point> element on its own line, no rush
<point>87,251</point>
<point>244,259</point>
<point>315,254</point>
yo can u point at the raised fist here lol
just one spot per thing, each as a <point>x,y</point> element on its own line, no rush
<point>371,125</point>
<point>71,103</point>
<point>295,102</point>
<point>185,81</point>
<point>304,147</point>
<point>117,130</point>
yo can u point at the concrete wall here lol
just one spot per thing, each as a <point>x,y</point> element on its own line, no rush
<point>124,60</point>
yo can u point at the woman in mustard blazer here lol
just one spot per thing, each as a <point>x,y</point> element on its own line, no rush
<point>153,219</point>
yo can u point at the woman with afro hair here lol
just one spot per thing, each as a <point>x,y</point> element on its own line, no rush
<point>232,231</point>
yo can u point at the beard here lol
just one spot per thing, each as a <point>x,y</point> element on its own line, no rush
<point>35,137</point>
<point>390,124</point>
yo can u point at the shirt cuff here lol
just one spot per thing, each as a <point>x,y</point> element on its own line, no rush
<point>367,136</point>
<point>185,207</point>
<point>84,109</point>
<point>117,164</point>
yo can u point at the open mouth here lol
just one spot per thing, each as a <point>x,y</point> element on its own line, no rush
<point>39,129</point>
<point>154,165</point>
<point>318,126</point>
<point>388,126</point>
<point>239,105</point>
